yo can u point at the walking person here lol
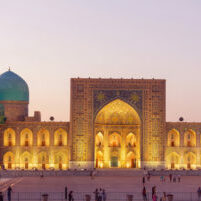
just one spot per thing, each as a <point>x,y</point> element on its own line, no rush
<point>143,180</point>
<point>154,197</point>
<point>170,176</point>
<point>100,195</point>
<point>144,194</point>
<point>1,196</point>
<point>96,194</point>
<point>104,195</point>
<point>66,193</point>
<point>199,193</point>
<point>70,196</point>
<point>9,191</point>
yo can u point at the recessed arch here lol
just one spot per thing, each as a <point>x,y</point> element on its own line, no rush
<point>190,138</point>
<point>43,160</point>
<point>99,139</point>
<point>9,137</point>
<point>43,137</point>
<point>26,137</point>
<point>190,160</point>
<point>9,160</point>
<point>173,138</point>
<point>26,160</point>
<point>60,160</point>
<point>173,160</point>
<point>60,137</point>
<point>121,126</point>
<point>131,140</point>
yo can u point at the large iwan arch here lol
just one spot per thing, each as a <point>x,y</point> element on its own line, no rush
<point>115,121</point>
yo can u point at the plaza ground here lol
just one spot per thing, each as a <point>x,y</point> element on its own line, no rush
<point>110,184</point>
<point>117,187</point>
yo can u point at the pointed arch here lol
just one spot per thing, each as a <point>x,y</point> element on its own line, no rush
<point>99,139</point>
<point>190,160</point>
<point>131,140</point>
<point>26,137</point>
<point>114,140</point>
<point>9,137</point>
<point>190,138</point>
<point>173,160</point>
<point>60,137</point>
<point>117,112</point>
<point>43,160</point>
<point>114,120</point>
<point>131,160</point>
<point>9,160</point>
<point>173,138</point>
<point>43,137</point>
<point>26,160</point>
<point>60,160</point>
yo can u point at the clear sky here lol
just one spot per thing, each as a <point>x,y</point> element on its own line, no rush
<point>49,41</point>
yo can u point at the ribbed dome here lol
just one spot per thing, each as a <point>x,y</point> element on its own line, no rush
<point>13,87</point>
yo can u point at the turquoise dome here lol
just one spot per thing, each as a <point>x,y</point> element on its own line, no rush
<point>13,87</point>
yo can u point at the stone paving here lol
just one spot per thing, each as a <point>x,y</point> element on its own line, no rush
<point>113,184</point>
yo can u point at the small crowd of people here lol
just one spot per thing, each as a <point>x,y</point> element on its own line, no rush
<point>9,191</point>
<point>100,194</point>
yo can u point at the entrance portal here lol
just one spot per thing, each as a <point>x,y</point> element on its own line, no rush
<point>114,161</point>
<point>117,122</point>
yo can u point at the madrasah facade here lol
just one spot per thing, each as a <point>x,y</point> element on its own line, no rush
<point>114,123</point>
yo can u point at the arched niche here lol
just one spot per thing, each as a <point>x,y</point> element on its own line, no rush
<point>60,137</point>
<point>43,160</point>
<point>99,139</point>
<point>190,160</point>
<point>26,160</point>
<point>60,161</point>
<point>173,160</point>
<point>115,119</point>
<point>9,137</point>
<point>173,138</point>
<point>26,137</point>
<point>190,138</point>
<point>9,160</point>
<point>43,137</point>
<point>131,140</point>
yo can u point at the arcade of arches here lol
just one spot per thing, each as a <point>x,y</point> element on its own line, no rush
<point>117,136</point>
<point>35,151</point>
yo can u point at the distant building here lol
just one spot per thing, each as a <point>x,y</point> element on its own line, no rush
<point>114,123</point>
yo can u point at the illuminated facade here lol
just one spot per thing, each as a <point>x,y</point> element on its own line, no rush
<point>114,123</point>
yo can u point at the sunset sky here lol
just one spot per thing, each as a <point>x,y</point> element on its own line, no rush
<point>49,41</point>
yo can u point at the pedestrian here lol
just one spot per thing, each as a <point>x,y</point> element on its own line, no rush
<point>66,193</point>
<point>9,190</point>
<point>144,194</point>
<point>199,193</point>
<point>143,180</point>
<point>164,196</point>
<point>179,178</point>
<point>104,195</point>
<point>153,190</point>
<point>154,197</point>
<point>1,196</point>
<point>70,196</point>
<point>96,194</point>
<point>161,178</point>
<point>100,195</point>
<point>170,176</point>
<point>148,176</point>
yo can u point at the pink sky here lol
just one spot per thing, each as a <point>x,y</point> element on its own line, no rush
<point>48,42</point>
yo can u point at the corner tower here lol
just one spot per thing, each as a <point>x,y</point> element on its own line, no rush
<point>14,96</point>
